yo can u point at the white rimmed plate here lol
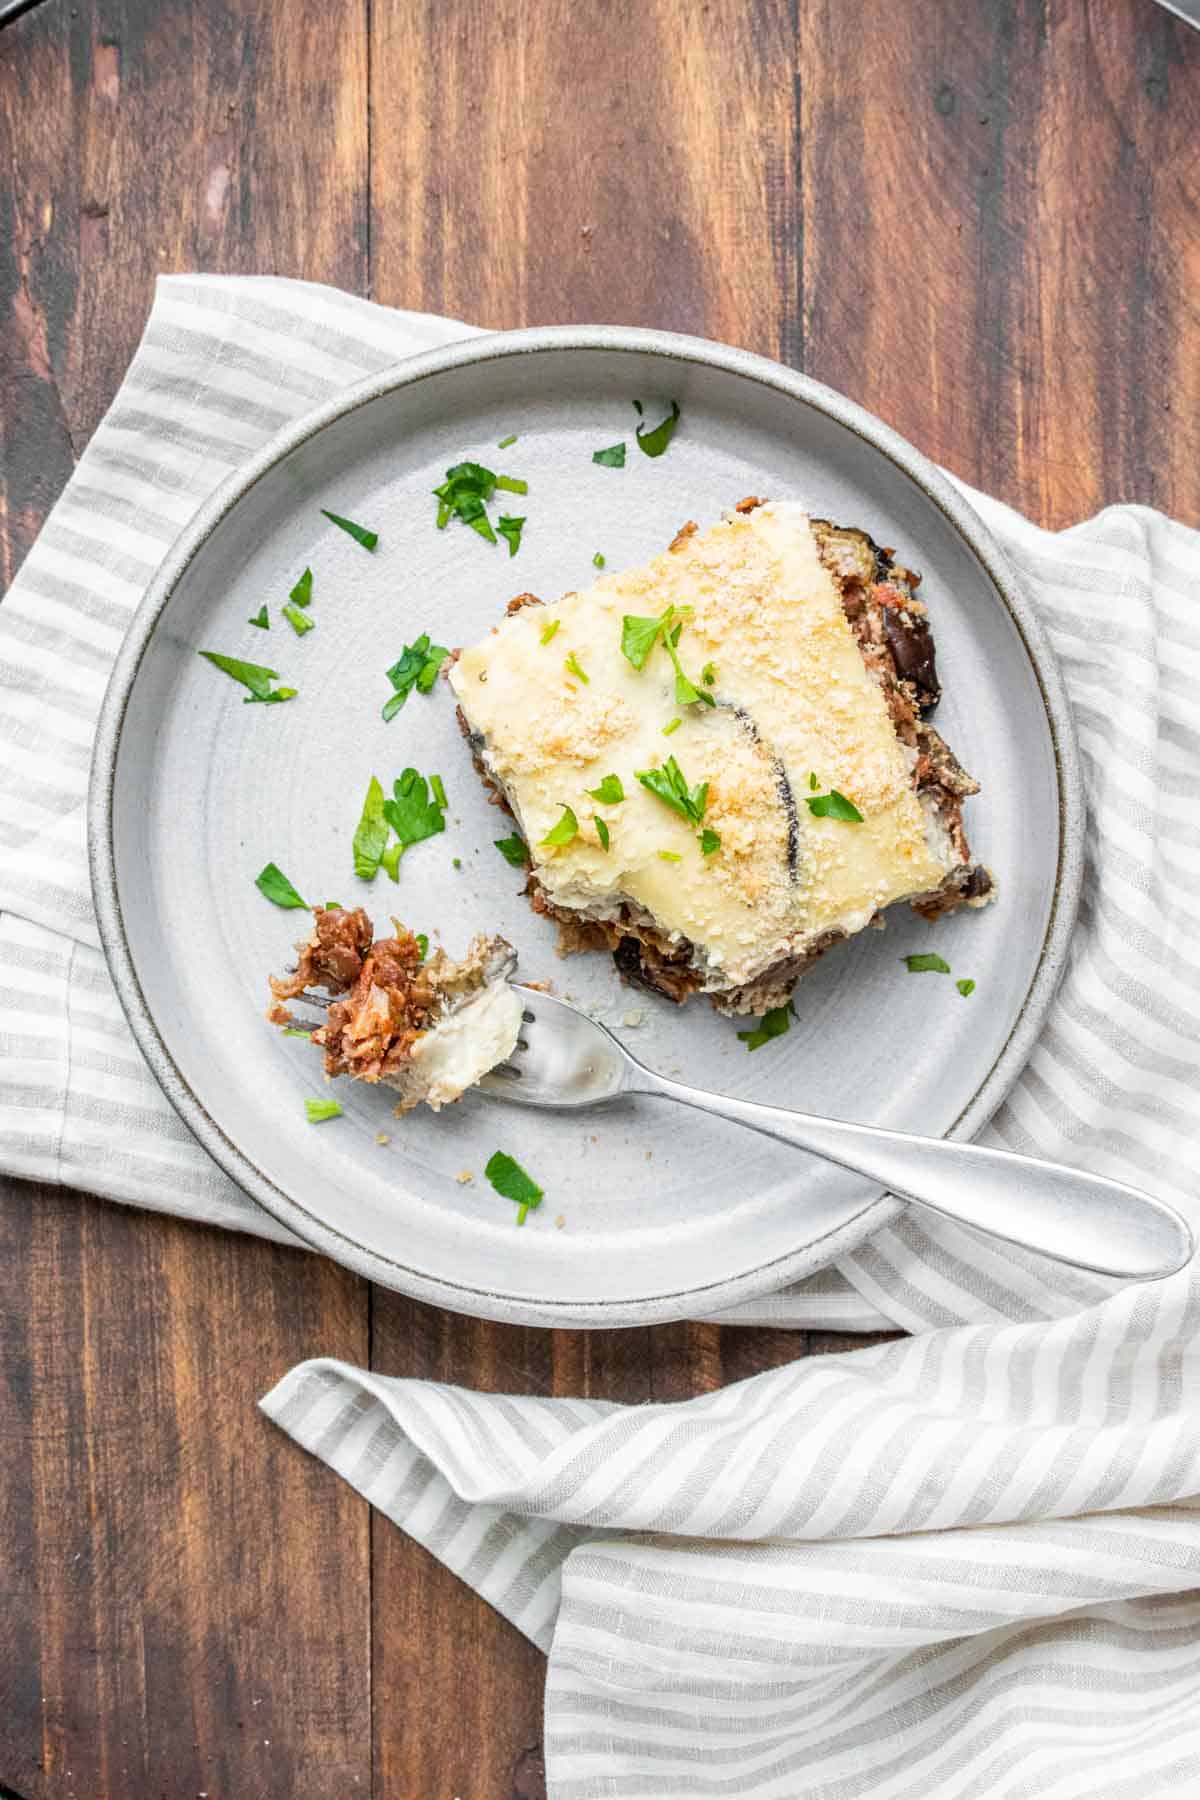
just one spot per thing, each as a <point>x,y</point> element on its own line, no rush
<point>664,1215</point>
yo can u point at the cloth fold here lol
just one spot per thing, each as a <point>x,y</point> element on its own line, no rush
<point>955,1565</point>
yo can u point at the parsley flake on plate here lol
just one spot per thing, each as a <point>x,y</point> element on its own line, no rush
<point>510,530</point>
<point>300,622</point>
<point>512,1183</point>
<point>813,783</point>
<point>710,841</point>
<point>465,493</point>
<point>929,963</point>
<point>505,442</point>
<point>513,849</point>
<point>550,631</point>
<point>612,458</point>
<point>562,833</point>
<point>301,594</point>
<point>669,855</point>
<point>598,560</point>
<point>272,882</point>
<point>669,786</point>
<point>260,619</point>
<point>601,830</point>
<point>672,725</point>
<point>773,1024</point>
<point>360,533</point>
<point>653,443</point>
<point>422,945</point>
<point>251,675</point>
<point>833,806</point>
<point>371,834</point>
<point>417,668</point>
<point>708,674</point>
<point>318,1110</point>
<point>610,792</point>
<point>412,815</point>
<point>573,667</point>
<point>966,987</point>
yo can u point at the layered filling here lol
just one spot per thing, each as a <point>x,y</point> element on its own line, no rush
<point>726,867</point>
<point>426,1026</point>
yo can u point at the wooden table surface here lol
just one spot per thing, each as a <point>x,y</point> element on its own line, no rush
<point>979,219</point>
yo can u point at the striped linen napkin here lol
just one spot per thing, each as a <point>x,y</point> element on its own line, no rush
<point>957,1565</point>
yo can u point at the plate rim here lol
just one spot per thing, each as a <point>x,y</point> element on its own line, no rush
<point>777,1272</point>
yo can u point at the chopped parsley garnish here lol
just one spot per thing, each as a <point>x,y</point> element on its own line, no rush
<point>301,594</point>
<point>708,674</point>
<point>670,856</point>
<point>773,1024</point>
<point>833,806</point>
<point>562,833</point>
<point>417,668</point>
<point>319,1110</point>
<point>465,493</point>
<point>965,988</point>
<point>389,862</point>
<point>512,1183</point>
<point>272,882</point>
<point>506,442</point>
<point>300,622</point>
<point>671,726</point>
<point>610,792</point>
<point>260,619</point>
<point>710,840</point>
<point>550,630</point>
<point>601,830</point>
<point>252,676</point>
<point>360,534</point>
<point>612,458</point>
<point>669,785</point>
<point>598,560</point>
<point>655,442</point>
<point>513,849</point>
<point>422,945</point>
<point>638,408</point>
<point>813,783</point>
<point>456,862</point>
<point>334,906</point>
<point>438,791</point>
<point>510,530</point>
<point>371,834</point>
<point>638,635</point>
<point>929,963</point>
<point>412,815</point>
<point>573,667</point>
<point>295,1031</point>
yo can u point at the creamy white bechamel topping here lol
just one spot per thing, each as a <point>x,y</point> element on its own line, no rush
<point>463,1045</point>
<point>794,699</point>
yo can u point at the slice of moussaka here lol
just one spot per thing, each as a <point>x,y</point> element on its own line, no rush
<point>721,762</point>
<point>424,1025</point>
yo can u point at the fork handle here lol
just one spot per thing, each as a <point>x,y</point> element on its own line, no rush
<point>1066,1213</point>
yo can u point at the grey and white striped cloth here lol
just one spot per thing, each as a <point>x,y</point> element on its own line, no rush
<point>957,1565</point>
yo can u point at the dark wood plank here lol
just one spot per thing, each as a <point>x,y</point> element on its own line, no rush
<point>186,1595</point>
<point>184,1592</point>
<point>999,241</point>
<point>138,140</point>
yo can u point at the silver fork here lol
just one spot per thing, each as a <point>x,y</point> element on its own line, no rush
<point>565,1061</point>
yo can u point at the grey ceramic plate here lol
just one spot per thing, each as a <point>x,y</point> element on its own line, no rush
<point>664,1215</point>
